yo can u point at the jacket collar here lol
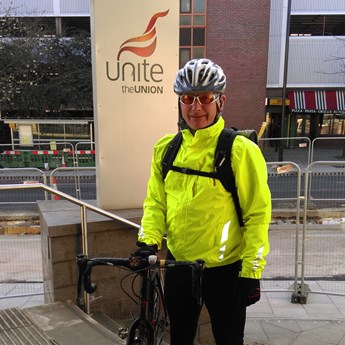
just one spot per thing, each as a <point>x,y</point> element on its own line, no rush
<point>208,132</point>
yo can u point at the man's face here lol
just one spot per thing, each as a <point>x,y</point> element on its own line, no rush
<point>199,110</point>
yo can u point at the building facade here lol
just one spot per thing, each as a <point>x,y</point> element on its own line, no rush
<point>266,48</point>
<point>313,61</point>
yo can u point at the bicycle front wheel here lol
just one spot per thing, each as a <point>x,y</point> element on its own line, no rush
<point>157,310</point>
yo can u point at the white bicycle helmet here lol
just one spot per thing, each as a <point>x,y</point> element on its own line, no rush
<point>200,75</point>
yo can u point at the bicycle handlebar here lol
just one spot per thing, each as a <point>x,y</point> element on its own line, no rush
<point>134,263</point>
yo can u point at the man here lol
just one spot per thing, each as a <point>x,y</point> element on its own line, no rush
<point>199,217</point>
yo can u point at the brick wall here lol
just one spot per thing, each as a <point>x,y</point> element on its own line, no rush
<point>237,39</point>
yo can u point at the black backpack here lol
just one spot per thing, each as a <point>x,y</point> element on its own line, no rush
<point>222,161</point>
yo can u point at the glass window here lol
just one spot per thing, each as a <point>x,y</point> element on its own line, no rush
<point>185,36</point>
<point>339,125</point>
<point>332,124</point>
<point>199,52</point>
<point>199,20</point>
<point>317,25</point>
<point>185,20</point>
<point>198,36</point>
<point>185,6</point>
<point>199,6</point>
<point>184,56</point>
<point>72,25</point>
<point>303,125</point>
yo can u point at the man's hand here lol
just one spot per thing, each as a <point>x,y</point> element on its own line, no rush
<point>145,250</point>
<point>248,291</point>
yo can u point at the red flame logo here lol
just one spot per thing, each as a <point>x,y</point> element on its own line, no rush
<point>148,34</point>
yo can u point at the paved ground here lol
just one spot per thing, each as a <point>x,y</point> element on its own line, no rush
<point>272,321</point>
<point>277,321</point>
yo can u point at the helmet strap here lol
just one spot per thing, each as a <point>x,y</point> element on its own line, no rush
<point>181,122</point>
<point>219,111</point>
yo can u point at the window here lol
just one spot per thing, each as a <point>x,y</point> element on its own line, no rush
<point>332,124</point>
<point>303,125</point>
<point>192,29</point>
<point>73,25</point>
<point>199,6</point>
<point>185,37</point>
<point>198,36</point>
<point>317,25</point>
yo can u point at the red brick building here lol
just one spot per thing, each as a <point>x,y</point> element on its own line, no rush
<point>236,37</point>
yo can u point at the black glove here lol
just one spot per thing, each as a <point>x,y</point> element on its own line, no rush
<point>145,250</point>
<point>248,291</point>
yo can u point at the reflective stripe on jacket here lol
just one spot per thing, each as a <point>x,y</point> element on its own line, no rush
<point>198,214</point>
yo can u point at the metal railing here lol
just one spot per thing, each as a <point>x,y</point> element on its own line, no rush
<point>79,182</point>
<point>295,149</point>
<point>290,270</point>
<point>296,242</point>
<point>320,149</point>
<point>323,251</point>
<point>54,176</point>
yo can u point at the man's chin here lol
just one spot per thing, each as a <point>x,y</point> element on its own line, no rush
<point>198,124</point>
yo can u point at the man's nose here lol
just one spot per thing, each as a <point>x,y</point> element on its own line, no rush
<point>196,104</point>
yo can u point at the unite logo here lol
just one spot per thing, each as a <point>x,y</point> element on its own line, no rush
<point>143,46</point>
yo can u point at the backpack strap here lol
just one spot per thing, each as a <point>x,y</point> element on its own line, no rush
<point>171,153</point>
<point>223,167</point>
<point>194,172</point>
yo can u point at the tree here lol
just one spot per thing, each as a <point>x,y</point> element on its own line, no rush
<point>43,74</point>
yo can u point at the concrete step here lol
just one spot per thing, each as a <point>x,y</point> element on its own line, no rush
<point>65,324</point>
<point>16,327</point>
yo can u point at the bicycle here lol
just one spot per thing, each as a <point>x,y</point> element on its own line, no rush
<point>152,322</point>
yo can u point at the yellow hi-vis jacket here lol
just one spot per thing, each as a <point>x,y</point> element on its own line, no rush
<point>198,214</point>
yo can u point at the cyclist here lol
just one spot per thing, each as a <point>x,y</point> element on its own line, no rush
<point>199,216</point>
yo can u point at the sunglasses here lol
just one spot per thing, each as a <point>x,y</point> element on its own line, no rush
<point>203,99</point>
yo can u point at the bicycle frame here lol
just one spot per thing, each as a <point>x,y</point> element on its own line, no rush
<point>150,325</point>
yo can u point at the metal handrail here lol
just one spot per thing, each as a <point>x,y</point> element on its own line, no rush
<point>83,205</point>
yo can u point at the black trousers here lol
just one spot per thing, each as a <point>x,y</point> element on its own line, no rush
<point>219,289</point>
